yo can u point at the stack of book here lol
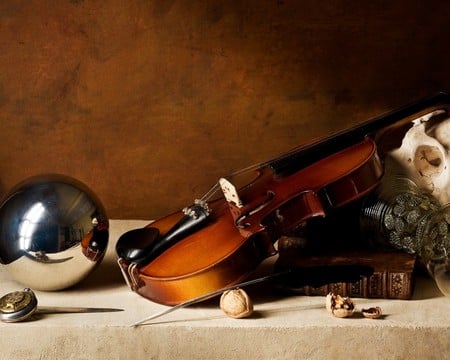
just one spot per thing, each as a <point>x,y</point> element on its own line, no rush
<point>365,274</point>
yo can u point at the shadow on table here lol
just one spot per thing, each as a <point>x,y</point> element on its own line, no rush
<point>106,276</point>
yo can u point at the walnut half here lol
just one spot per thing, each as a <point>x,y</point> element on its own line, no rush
<point>372,313</point>
<point>340,306</point>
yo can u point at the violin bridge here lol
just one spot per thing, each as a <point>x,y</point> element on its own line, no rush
<point>230,192</point>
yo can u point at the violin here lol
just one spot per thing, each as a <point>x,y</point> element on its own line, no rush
<point>222,237</point>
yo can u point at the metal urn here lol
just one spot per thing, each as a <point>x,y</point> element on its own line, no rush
<point>53,232</point>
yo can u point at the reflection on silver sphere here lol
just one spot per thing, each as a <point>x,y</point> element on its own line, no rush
<point>53,232</point>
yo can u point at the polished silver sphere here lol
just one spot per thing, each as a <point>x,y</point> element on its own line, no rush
<point>53,232</point>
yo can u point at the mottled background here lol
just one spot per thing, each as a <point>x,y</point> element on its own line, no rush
<point>149,102</point>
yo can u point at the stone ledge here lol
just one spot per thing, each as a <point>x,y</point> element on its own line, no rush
<point>282,328</point>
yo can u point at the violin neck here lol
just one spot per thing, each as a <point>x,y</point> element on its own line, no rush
<point>306,155</point>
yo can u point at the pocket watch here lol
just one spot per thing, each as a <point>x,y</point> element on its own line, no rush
<point>18,305</point>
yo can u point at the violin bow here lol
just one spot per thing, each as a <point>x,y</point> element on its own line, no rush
<point>315,275</point>
<point>210,295</point>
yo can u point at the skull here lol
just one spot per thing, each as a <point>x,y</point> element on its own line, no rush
<point>424,155</point>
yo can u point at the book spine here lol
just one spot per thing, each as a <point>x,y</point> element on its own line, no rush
<point>383,285</point>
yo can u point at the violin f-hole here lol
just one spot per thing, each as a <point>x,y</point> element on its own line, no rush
<point>239,221</point>
<point>296,211</point>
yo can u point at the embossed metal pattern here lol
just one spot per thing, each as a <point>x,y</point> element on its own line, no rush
<point>17,305</point>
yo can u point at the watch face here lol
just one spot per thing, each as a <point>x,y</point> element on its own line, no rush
<point>17,305</point>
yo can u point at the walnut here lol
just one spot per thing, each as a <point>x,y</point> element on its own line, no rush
<point>340,306</point>
<point>236,303</point>
<point>372,313</point>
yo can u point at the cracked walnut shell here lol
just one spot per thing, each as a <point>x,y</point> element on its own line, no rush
<point>340,306</point>
<point>372,313</point>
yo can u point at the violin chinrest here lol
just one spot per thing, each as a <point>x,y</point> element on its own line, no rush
<point>134,245</point>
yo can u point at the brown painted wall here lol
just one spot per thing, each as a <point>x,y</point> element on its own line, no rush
<point>149,102</point>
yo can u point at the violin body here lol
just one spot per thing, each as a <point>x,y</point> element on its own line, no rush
<point>221,254</point>
<point>193,253</point>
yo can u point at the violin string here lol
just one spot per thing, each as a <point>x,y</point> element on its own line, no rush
<point>209,193</point>
<point>214,188</point>
<point>256,166</point>
<point>367,128</point>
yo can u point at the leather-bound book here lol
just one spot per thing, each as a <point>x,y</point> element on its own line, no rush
<point>365,274</point>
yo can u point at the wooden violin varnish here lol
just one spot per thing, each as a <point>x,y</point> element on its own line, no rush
<point>222,237</point>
